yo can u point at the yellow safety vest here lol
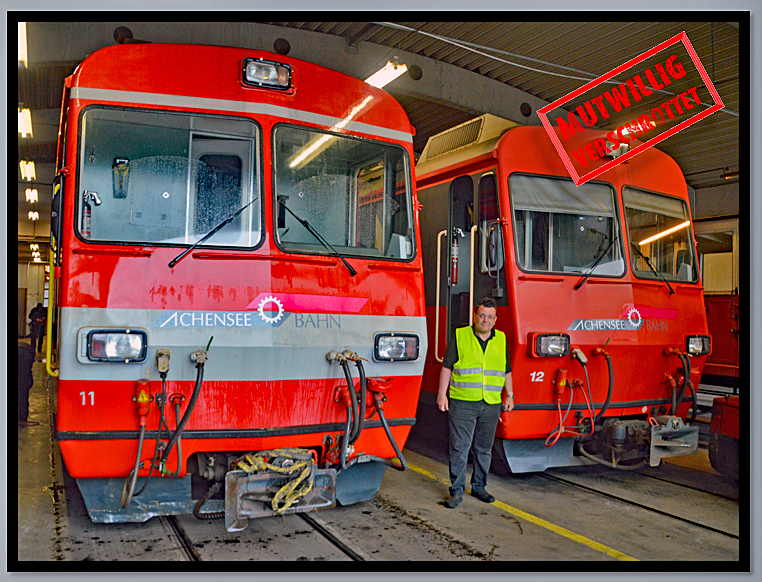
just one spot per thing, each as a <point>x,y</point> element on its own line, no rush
<point>478,374</point>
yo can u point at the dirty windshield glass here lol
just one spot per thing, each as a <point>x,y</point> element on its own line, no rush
<point>354,193</point>
<point>150,177</point>
<point>562,228</point>
<point>659,227</point>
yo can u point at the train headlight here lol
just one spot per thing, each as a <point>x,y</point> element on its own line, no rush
<point>117,345</point>
<point>266,74</point>
<point>395,347</point>
<point>550,345</point>
<point>698,345</point>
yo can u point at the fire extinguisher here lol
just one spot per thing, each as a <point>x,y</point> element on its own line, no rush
<point>86,217</point>
<point>456,233</point>
<point>88,197</point>
<point>454,263</point>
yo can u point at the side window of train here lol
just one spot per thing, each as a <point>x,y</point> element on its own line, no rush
<point>490,234</point>
<point>158,177</point>
<point>562,228</point>
<point>659,228</point>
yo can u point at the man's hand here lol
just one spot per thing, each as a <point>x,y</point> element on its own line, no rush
<point>442,402</point>
<point>508,405</point>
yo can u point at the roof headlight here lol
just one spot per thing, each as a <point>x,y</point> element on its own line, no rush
<point>266,74</point>
<point>395,347</point>
<point>117,345</point>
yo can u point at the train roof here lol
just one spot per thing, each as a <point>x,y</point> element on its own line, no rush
<point>203,76</point>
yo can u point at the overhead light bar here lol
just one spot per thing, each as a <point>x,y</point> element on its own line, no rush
<point>386,74</point>
<point>25,122</point>
<point>22,45</point>
<point>27,171</point>
<point>31,195</point>
<point>664,233</point>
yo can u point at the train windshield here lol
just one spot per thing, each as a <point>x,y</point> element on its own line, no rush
<point>355,193</point>
<point>166,178</point>
<point>659,230</point>
<point>562,228</point>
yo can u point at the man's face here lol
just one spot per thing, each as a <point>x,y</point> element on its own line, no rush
<point>485,318</point>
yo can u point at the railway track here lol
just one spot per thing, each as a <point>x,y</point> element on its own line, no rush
<point>651,508</point>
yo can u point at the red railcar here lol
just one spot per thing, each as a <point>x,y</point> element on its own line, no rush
<point>597,287</point>
<point>239,283</point>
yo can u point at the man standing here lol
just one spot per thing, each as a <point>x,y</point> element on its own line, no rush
<point>26,380</point>
<point>38,315</point>
<point>476,370</point>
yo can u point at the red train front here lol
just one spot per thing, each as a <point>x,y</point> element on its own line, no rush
<point>239,284</point>
<point>597,287</point>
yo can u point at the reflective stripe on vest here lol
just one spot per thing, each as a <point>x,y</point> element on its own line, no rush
<point>478,374</point>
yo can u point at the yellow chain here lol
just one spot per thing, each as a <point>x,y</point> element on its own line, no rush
<point>293,489</point>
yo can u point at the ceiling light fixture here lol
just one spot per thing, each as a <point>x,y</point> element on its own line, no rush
<point>386,74</point>
<point>31,195</point>
<point>22,45</point>
<point>34,215</point>
<point>25,122</point>
<point>27,171</point>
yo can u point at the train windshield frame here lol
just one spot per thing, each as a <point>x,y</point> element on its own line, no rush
<point>355,193</point>
<point>565,229</point>
<point>659,228</point>
<point>161,178</point>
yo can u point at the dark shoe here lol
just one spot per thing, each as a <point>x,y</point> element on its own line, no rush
<point>482,495</point>
<point>453,501</point>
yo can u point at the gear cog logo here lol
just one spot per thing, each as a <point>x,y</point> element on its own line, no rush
<point>261,309</point>
<point>630,317</point>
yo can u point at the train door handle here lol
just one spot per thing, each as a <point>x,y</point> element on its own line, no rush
<point>436,301</point>
<point>471,293</point>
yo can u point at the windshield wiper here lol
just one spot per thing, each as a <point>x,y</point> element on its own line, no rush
<point>209,234</point>
<point>648,262</point>
<point>595,264</point>
<point>317,235</point>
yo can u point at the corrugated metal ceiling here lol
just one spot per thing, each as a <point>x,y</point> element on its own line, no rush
<point>704,151</point>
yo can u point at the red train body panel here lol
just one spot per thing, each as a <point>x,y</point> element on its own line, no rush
<point>543,283</point>
<point>160,144</point>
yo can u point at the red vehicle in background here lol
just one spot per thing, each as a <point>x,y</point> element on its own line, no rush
<point>597,287</point>
<point>239,296</point>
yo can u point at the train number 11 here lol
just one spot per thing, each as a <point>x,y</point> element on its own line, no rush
<point>84,400</point>
<point>536,376</point>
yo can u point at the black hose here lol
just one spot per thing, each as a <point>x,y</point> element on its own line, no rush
<point>686,377</point>
<point>345,441</point>
<point>211,514</point>
<point>188,411</point>
<point>353,396</point>
<point>695,401</point>
<point>179,445</point>
<point>132,478</point>
<point>388,431</point>
<point>611,390</point>
<point>163,421</point>
<point>612,465</point>
<point>363,398</point>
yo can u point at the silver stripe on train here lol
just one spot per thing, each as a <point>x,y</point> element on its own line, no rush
<point>293,349</point>
<point>160,99</point>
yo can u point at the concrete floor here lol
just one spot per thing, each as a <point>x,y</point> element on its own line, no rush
<point>533,519</point>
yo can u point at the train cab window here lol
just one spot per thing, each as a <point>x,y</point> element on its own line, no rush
<point>165,178</point>
<point>562,228</point>
<point>660,236</point>
<point>355,194</point>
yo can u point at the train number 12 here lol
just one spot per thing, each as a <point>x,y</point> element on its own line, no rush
<point>536,376</point>
<point>84,400</point>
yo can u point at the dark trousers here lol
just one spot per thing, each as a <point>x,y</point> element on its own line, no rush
<point>38,334</point>
<point>471,423</point>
